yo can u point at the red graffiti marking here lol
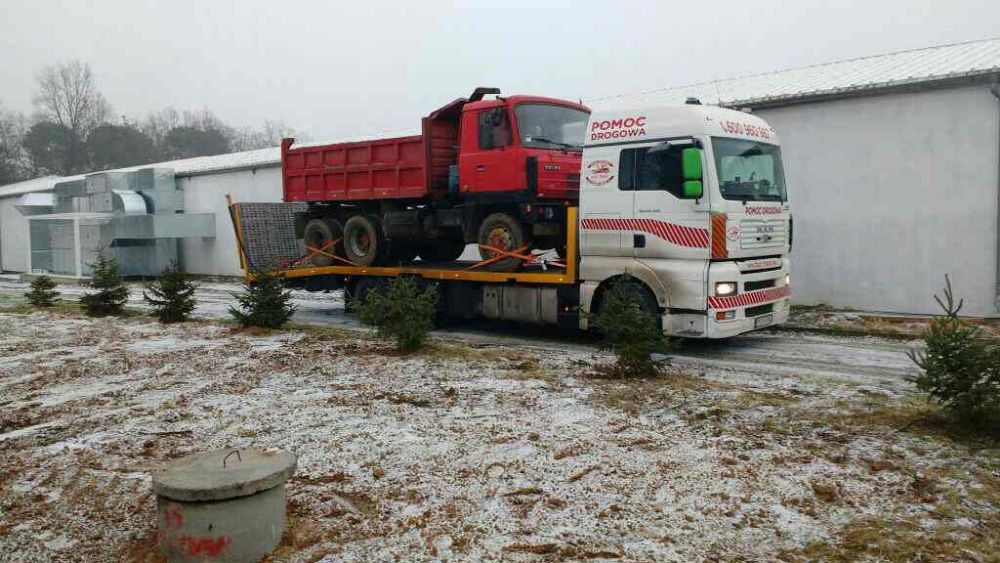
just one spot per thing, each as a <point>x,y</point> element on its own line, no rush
<point>208,546</point>
<point>173,518</point>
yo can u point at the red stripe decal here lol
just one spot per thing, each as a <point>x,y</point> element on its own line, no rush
<point>753,298</point>
<point>677,234</point>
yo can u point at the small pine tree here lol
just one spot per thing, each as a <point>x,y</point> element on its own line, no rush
<point>264,302</point>
<point>402,312</point>
<point>629,330</point>
<point>112,292</point>
<point>43,293</point>
<point>960,368</point>
<point>171,295</point>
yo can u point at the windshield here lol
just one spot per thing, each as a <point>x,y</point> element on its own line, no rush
<point>547,126</point>
<point>749,170</point>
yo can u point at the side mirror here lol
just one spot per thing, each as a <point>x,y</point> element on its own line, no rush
<point>693,189</point>
<point>496,117</point>
<point>691,168</point>
<point>691,163</point>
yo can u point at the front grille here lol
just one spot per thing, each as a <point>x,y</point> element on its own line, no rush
<point>759,310</point>
<point>754,285</point>
<point>762,233</point>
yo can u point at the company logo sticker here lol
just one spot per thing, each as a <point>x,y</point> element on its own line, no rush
<point>621,128</point>
<point>600,172</point>
<point>733,232</point>
<point>762,210</point>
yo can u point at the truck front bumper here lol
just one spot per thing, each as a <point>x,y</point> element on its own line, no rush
<point>762,300</point>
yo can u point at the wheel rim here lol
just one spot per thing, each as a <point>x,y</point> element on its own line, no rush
<point>361,244</point>
<point>501,238</point>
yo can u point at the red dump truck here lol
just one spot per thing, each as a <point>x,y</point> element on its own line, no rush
<point>499,172</point>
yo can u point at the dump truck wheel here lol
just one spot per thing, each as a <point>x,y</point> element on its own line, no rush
<point>363,242</point>
<point>444,249</point>
<point>318,234</point>
<point>500,230</point>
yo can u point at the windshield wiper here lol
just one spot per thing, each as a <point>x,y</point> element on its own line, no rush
<point>557,143</point>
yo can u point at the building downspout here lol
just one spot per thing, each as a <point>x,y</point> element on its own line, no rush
<point>995,89</point>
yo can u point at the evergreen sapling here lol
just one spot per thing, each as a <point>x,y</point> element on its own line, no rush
<point>402,312</point>
<point>111,291</point>
<point>264,302</point>
<point>43,293</point>
<point>171,295</point>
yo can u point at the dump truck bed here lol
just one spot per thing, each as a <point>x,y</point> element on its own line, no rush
<point>410,167</point>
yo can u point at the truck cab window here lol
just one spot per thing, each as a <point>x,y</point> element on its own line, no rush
<point>494,129</point>
<point>652,168</point>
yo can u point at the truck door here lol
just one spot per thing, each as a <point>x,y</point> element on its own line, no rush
<point>489,162</point>
<point>604,204</point>
<point>664,223</point>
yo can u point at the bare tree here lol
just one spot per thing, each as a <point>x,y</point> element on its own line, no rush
<point>270,135</point>
<point>159,123</point>
<point>13,160</point>
<point>67,94</point>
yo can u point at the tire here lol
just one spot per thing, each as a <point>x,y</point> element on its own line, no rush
<point>363,242</point>
<point>318,234</point>
<point>633,290</point>
<point>500,230</point>
<point>444,249</point>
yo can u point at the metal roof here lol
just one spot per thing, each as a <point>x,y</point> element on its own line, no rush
<point>971,59</point>
<point>260,158</point>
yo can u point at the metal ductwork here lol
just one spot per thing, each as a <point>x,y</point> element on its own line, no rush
<point>137,217</point>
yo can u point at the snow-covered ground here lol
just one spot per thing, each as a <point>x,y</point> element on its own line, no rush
<point>489,445</point>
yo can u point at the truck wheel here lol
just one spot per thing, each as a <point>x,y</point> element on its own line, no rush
<point>636,292</point>
<point>444,249</point>
<point>502,231</point>
<point>318,234</point>
<point>363,242</point>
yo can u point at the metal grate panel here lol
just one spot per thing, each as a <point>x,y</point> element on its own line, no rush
<point>269,239</point>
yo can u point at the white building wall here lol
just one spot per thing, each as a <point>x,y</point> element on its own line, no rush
<point>207,194</point>
<point>13,237</point>
<point>889,193</point>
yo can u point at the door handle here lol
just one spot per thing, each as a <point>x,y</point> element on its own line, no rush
<point>480,167</point>
<point>639,241</point>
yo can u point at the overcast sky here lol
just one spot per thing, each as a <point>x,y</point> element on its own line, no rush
<point>339,69</point>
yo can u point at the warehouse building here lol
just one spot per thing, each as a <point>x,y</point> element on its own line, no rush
<point>893,164</point>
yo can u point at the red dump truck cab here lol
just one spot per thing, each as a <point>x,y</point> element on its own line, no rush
<point>514,144</point>
<point>522,143</point>
<point>498,171</point>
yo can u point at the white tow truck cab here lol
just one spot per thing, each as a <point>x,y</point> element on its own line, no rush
<point>690,202</point>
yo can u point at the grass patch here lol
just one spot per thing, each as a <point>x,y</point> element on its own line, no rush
<point>441,351</point>
<point>914,415</point>
<point>632,395</point>
<point>907,539</point>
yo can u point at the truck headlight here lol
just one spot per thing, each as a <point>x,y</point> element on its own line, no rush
<point>788,279</point>
<point>725,288</point>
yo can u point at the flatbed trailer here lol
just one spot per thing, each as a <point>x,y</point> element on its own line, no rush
<point>544,290</point>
